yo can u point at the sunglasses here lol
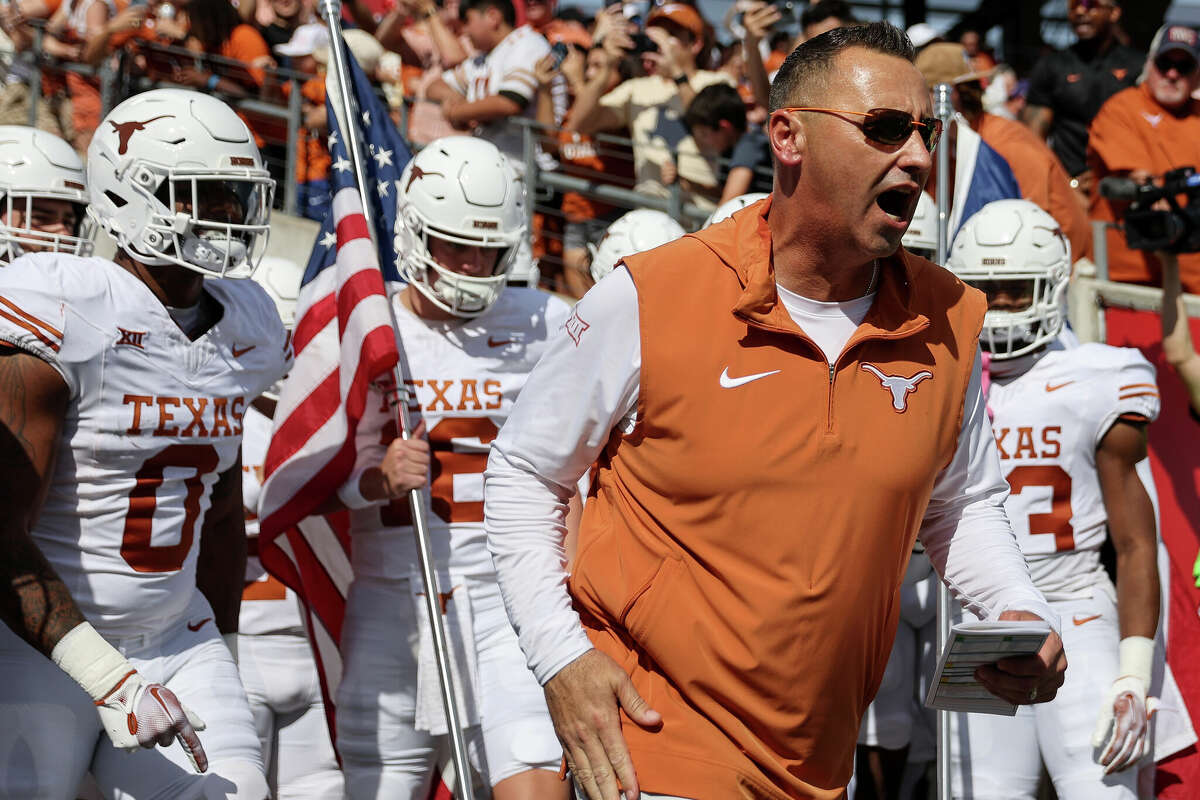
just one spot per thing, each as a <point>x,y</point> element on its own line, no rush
<point>889,126</point>
<point>1166,62</point>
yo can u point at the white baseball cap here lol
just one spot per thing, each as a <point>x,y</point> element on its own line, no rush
<point>305,40</point>
<point>922,34</point>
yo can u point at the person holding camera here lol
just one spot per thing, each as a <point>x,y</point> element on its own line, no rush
<point>652,107</point>
<point>1145,131</point>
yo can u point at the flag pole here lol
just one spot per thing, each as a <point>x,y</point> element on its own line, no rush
<point>331,10</point>
<point>943,109</point>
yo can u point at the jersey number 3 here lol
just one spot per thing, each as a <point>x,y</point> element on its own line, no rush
<point>1058,521</point>
<point>143,499</point>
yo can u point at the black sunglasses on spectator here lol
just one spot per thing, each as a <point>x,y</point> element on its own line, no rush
<point>1168,61</point>
<point>889,126</point>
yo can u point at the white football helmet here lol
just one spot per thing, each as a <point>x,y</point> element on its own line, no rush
<point>36,165</point>
<point>731,207</point>
<point>280,277</point>
<point>461,190</point>
<point>634,232</point>
<point>1015,246</point>
<point>162,159</point>
<point>921,236</point>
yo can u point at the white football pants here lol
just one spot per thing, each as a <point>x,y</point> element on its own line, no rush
<point>50,733</point>
<point>384,756</point>
<point>999,758</point>
<point>285,698</point>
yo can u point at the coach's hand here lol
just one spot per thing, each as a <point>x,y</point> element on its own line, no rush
<point>1028,679</point>
<point>139,714</point>
<point>584,699</point>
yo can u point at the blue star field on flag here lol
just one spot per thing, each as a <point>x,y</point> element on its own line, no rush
<point>386,155</point>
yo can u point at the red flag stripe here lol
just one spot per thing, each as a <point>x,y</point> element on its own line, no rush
<point>314,321</point>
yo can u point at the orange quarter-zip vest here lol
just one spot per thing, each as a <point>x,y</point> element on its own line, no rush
<point>742,550</point>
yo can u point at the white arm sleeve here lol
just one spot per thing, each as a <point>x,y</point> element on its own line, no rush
<point>966,532</point>
<point>582,387</point>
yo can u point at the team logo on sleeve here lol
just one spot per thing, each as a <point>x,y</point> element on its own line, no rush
<point>576,326</point>
<point>898,385</point>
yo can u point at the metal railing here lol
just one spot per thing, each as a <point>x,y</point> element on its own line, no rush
<point>119,76</point>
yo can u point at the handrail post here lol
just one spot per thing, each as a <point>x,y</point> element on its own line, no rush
<point>529,151</point>
<point>35,76</point>
<point>290,189</point>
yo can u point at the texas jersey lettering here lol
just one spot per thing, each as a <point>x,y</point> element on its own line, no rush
<point>153,419</point>
<point>463,383</point>
<point>1048,423</point>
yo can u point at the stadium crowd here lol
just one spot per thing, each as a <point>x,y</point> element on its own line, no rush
<point>641,98</point>
<point>684,114</point>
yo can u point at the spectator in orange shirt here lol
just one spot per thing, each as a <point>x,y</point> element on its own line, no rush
<point>216,29</point>
<point>312,155</point>
<point>1143,131</point>
<point>52,115</point>
<point>91,24</point>
<point>1039,173</point>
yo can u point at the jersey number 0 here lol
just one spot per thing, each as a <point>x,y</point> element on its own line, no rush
<point>136,548</point>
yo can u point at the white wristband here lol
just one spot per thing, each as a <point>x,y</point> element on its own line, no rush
<point>1137,658</point>
<point>91,662</point>
<point>350,492</point>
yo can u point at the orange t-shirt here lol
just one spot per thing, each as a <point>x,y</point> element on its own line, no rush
<point>583,157</point>
<point>1132,131</point>
<point>731,558</point>
<point>312,156</point>
<point>1040,176</point>
<point>247,45</point>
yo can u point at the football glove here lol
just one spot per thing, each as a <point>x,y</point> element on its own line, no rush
<point>139,714</point>
<point>1123,728</point>
<point>1122,732</point>
<point>135,713</point>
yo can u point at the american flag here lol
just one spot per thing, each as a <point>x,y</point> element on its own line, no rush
<point>343,340</point>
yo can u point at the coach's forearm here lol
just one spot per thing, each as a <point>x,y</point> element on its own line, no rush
<point>526,527</point>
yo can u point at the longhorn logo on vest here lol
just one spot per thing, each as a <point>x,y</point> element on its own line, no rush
<point>898,385</point>
<point>127,129</point>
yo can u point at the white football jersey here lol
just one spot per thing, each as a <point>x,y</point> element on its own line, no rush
<point>153,419</point>
<point>1048,423</point>
<point>267,605</point>
<point>508,69</point>
<point>465,376</point>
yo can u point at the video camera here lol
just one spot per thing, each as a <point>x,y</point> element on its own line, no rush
<point>1174,230</point>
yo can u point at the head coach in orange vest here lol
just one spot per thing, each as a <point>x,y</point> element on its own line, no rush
<point>769,412</point>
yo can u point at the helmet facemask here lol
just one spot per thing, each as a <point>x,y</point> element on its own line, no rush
<point>462,295</point>
<point>1012,333</point>
<point>21,206</point>
<point>216,223</point>
<point>1017,255</point>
